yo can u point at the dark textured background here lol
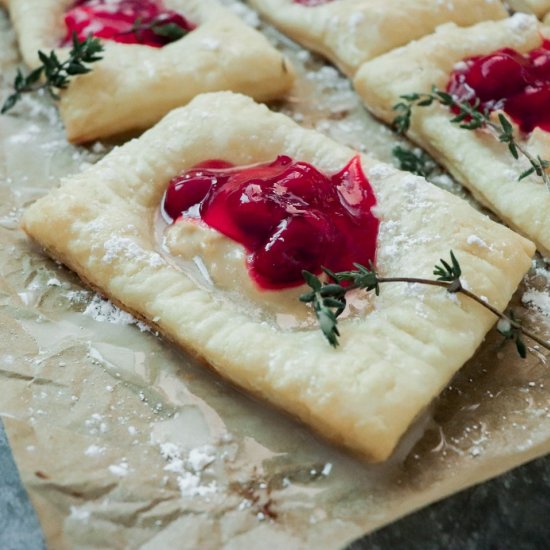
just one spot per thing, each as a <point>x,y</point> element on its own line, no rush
<point>510,512</point>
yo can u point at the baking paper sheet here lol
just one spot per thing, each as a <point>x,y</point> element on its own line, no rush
<point>122,441</point>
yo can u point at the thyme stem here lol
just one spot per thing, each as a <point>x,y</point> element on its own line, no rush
<point>328,299</point>
<point>57,74</point>
<point>471,117</point>
<point>158,26</point>
<point>472,296</point>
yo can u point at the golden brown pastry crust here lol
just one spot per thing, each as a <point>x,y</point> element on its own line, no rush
<point>476,159</point>
<point>134,86</point>
<point>350,32</point>
<point>393,360</point>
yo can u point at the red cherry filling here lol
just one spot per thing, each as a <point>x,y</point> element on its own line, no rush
<point>517,83</point>
<point>287,214</point>
<point>297,243</point>
<point>128,21</point>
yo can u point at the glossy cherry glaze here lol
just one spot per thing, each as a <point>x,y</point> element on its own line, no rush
<point>517,83</point>
<point>126,21</point>
<point>287,215</point>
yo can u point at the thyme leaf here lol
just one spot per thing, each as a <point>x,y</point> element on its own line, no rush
<point>414,160</point>
<point>57,75</point>
<point>328,298</point>
<point>326,304</point>
<point>511,330</point>
<point>449,273</point>
<point>158,26</point>
<point>471,116</point>
<point>169,30</point>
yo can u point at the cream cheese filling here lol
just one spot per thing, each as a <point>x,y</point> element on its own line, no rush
<point>219,263</point>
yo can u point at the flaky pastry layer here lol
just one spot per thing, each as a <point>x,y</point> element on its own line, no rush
<point>392,361</point>
<point>475,158</point>
<point>134,86</point>
<point>350,32</point>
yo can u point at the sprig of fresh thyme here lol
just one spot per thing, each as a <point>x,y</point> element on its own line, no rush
<point>57,74</point>
<point>471,116</point>
<point>415,161</point>
<point>328,298</point>
<point>158,26</point>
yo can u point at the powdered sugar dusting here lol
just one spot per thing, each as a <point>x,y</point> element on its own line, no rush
<point>521,22</point>
<point>94,450</point>
<point>190,486</point>
<point>119,470</point>
<point>478,241</point>
<point>189,468</point>
<point>117,247</point>
<point>539,300</point>
<point>105,311</point>
<point>380,171</point>
<point>201,457</point>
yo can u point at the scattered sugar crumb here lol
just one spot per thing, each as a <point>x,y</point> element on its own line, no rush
<point>210,44</point>
<point>98,148</point>
<point>104,311</point>
<point>444,181</point>
<point>172,454</point>
<point>474,239</point>
<point>539,300</point>
<point>120,470</point>
<point>200,457</point>
<point>174,465</point>
<point>189,482</point>
<point>94,450</point>
<point>169,451</point>
<point>79,513</point>
<point>190,485</point>
<point>475,451</point>
<point>76,296</point>
<point>95,424</point>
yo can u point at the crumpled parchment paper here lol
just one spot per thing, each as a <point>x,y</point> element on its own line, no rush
<point>124,442</point>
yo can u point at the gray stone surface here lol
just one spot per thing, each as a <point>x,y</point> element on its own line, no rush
<point>19,527</point>
<point>511,512</point>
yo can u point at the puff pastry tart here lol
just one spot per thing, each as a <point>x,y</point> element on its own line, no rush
<point>505,65</point>
<point>200,228</point>
<point>158,55</point>
<point>350,32</point>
